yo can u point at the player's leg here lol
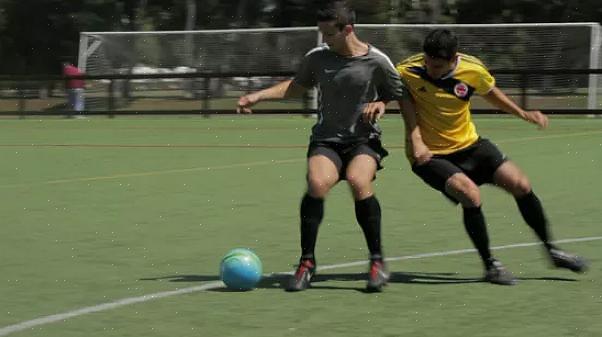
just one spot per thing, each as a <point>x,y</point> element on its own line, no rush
<point>446,177</point>
<point>443,175</point>
<point>322,175</point>
<point>71,99</point>
<point>463,189</point>
<point>323,167</point>
<point>509,177</point>
<point>79,100</point>
<point>360,173</point>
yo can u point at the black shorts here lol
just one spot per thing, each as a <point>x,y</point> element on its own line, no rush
<point>479,162</point>
<point>342,154</point>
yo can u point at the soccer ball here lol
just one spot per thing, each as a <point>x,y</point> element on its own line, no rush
<point>240,269</point>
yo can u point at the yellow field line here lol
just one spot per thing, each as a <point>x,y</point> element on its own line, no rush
<point>257,163</point>
<point>259,146</point>
<point>590,133</point>
<point>153,173</point>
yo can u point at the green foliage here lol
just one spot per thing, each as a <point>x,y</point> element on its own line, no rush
<point>51,32</point>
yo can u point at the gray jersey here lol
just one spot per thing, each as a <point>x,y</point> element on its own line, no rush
<point>345,85</point>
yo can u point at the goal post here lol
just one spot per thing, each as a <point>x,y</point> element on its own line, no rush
<point>595,63</point>
<point>546,46</point>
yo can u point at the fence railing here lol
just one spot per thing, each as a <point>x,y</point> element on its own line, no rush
<point>114,94</point>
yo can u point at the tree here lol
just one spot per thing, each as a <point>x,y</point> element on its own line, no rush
<point>51,34</point>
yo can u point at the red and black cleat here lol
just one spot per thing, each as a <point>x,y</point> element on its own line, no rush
<point>377,276</point>
<point>302,277</point>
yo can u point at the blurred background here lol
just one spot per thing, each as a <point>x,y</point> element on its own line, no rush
<point>217,50</point>
<point>98,212</point>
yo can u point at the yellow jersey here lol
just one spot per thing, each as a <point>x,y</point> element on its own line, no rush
<point>443,105</point>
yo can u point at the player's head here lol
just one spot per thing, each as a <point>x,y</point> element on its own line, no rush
<point>440,48</point>
<point>335,21</point>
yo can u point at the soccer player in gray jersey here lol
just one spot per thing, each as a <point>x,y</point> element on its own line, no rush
<point>345,141</point>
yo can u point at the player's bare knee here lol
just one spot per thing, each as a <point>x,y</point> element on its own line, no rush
<point>358,182</point>
<point>521,187</point>
<point>464,190</point>
<point>317,192</point>
<point>361,192</point>
<point>319,186</point>
<point>469,196</point>
<point>473,199</point>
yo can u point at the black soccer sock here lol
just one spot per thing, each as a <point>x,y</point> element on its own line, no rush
<point>367,213</point>
<point>532,211</point>
<point>474,223</point>
<point>312,212</point>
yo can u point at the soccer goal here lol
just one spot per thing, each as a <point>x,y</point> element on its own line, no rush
<point>547,46</point>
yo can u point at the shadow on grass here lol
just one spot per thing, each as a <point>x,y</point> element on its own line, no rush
<point>279,281</point>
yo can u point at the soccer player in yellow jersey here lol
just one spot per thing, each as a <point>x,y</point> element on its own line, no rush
<point>445,150</point>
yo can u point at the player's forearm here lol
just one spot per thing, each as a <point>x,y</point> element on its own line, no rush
<point>277,91</point>
<point>414,137</point>
<point>498,99</point>
<point>408,112</point>
<point>281,90</point>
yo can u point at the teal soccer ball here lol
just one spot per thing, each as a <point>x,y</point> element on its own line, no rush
<point>240,269</point>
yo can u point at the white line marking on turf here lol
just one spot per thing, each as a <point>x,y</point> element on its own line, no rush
<point>214,285</point>
<point>455,252</point>
<point>102,307</point>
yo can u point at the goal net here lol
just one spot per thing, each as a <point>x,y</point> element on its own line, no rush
<point>242,51</point>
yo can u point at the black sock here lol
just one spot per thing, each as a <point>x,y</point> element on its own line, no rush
<point>367,213</point>
<point>532,211</point>
<point>474,223</point>
<point>312,212</point>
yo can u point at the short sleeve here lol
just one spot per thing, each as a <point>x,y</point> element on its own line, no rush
<point>391,87</point>
<point>306,75</point>
<point>485,82</point>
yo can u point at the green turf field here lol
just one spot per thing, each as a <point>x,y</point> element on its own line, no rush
<point>97,211</point>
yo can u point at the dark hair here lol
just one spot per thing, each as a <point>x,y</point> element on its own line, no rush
<point>338,11</point>
<point>441,43</point>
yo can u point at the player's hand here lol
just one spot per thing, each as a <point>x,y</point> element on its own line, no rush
<point>422,154</point>
<point>536,117</point>
<point>373,111</point>
<point>245,102</point>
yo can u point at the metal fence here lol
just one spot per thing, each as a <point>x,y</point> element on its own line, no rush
<point>217,93</point>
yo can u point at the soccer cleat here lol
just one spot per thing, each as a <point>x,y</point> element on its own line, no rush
<point>302,277</point>
<point>496,273</point>
<point>377,276</point>
<point>568,261</point>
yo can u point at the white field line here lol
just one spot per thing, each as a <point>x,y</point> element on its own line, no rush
<point>4,331</point>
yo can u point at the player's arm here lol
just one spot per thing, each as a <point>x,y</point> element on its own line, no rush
<point>420,151</point>
<point>498,99</point>
<point>284,89</point>
<point>389,88</point>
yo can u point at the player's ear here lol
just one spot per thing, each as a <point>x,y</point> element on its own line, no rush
<point>453,58</point>
<point>348,29</point>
